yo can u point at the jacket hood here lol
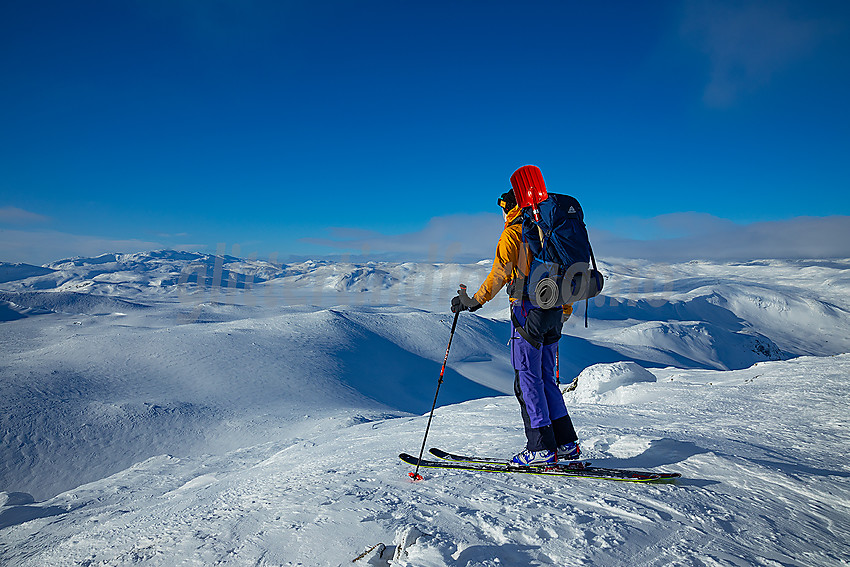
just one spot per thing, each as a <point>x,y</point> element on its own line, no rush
<point>512,216</point>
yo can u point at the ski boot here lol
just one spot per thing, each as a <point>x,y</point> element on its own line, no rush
<point>534,458</point>
<point>569,451</point>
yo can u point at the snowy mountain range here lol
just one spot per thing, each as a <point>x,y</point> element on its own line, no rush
<point>168,407</point>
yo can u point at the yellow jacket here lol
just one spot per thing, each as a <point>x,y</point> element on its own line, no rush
<point>508,252</point>
<point>511,258</point>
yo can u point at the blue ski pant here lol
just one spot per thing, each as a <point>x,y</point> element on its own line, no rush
<point>544,413</point>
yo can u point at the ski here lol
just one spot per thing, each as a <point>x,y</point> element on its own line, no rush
<point>573,469</point>
<point>577,465</point>
<point>439,453</point>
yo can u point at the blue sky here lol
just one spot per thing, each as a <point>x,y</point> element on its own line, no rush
<point>389,128</point>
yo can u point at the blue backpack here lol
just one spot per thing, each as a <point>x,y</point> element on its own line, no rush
<point>563,268</point>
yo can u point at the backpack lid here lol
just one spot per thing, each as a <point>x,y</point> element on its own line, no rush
<point>528,185</point>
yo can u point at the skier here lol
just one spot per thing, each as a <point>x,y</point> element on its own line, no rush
<point>548,428</point>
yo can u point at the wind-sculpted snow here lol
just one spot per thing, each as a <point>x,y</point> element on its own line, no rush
<point>15,272</point>
<point>118,384</point>
<point>765,482</point>
<point>66,302</point>
<point>694,344</point>
<point>774,300</point>
<point>609,382</point>
<point>180,407</point>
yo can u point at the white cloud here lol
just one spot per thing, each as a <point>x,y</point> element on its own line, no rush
<point>470,238</point>
<point>14,215</point>
<point>747,43</point>
<point>673,237</point>
<point>688,236</point>
<point>453,238</point>
<point>41,247</point>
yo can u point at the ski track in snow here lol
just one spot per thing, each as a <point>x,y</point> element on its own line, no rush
<point>206,424</point>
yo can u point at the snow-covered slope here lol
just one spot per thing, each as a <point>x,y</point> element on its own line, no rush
<point>762,452</point>
<point>13,272</point>
<point>744,312</point>
<point>86,396</point>
<point>215,409</point>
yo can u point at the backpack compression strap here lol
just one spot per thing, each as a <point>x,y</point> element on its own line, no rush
<point>587,299</point>
<point>522,332</point>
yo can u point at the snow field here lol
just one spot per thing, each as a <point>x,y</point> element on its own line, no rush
<point>85,400</point>
<point>252,416</point>
<point>325,498</point>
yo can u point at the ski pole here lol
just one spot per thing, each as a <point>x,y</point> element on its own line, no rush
<point>415,475</point>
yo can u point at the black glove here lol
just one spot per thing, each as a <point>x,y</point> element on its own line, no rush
<point>462,302</point>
